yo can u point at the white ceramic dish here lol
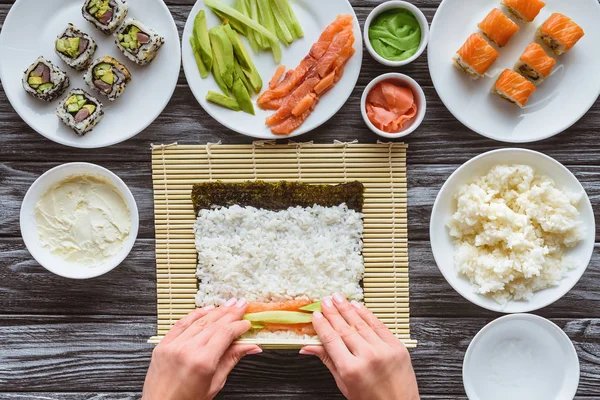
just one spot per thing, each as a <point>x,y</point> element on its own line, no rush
<point>444,207</point>
<point>30,30</point>
<point>521,356</point>
<point>402,80</point>
<point>314,17</point>
<point>29,226</point>
<point>391,5</point>
<point>557,104</point>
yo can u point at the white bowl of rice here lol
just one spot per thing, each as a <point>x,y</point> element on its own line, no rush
<point>512,230</point>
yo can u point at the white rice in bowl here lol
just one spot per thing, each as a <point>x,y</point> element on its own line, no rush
<point>511,230</point>
<point>272,256</point>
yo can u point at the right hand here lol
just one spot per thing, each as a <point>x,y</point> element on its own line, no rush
<point>367,361</point>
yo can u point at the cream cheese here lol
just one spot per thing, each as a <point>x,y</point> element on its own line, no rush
<point>83,219</point>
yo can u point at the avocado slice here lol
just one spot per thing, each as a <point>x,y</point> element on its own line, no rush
<point>239,73</point>
<point>222,100</point>
<point>90,107</point>
<point>312,307</point>
<point>72,108</point>
<point>242,96</point>
<point>35,80</point>
<point>71,100</point>
<point>279,317</point>
<point>238,47</point>
<point>256,325</point>
<point>201,67</point>
<point>216,71</point>
<point>203,39</point>
<point>108,77</point>
<point>223,50</point>
<point>44,87</point>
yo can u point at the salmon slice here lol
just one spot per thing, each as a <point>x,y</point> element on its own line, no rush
<point>320,47</point>
<point>498,27</point>
<point>514,88</point>
<point>290,305</point>
<point>476,56</point>
<point>526,10</point>
<point>325,83</point>
<point>560,33</point>
<point>340,47</point>
<point>291,79</point>
<point>304,104</point>
<point>292,123</point>
<point>535,64</point>
<point>288,105</point>
<point>277,76</point>
<point>301,329</point>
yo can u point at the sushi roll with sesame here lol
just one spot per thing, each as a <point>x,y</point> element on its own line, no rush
<point>106,15</point>
<point>80,111</point>
<point>108,77</point>
<point>45,81</point>
<point>138,42</point>
<point>75,48</point>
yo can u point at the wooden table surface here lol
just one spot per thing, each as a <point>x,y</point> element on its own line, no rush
<point>64,339</point>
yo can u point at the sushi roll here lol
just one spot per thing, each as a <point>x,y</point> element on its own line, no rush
<point>560,33</point>
<point>108,77</point>
<point>106,15</point>
<point>138,42</point>
<point>514,88</point>
<point>498,27</point>
<point>525,10</point>
<point>476,56</point>
<point>45,81</point>
<point>75,48</point>
<point>80,111</point>
<point>535,64</point>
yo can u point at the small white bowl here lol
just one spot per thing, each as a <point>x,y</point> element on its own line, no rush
<point>444,207</point>
<point>29,229</point>
<point>402,80</point>
<point>391,5</point>
<point>521,356</point>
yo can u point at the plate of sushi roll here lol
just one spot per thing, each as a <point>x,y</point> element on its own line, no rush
<point>516,71</point>
<point>92,73</point>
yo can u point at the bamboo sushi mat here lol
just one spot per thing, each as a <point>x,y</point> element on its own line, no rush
<point>380,167</point>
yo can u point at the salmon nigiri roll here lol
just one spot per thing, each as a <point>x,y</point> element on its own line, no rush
<point>498,27</point>
<point>535,64</point>
<point>514,88</point>
<point>476,56</point>
<point>560,33</point>
<point>525,10</point>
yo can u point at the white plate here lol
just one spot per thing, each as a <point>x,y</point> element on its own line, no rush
<point>314,16</point>
<point>29,230</point>
<point>444,207</point>
<point>30,30</point>
<point>521,356</point>
<point>557,104</point>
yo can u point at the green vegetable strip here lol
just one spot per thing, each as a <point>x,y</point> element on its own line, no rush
<point>239,72</point>
<point>260,40</point>
<point>202,39</point>
<point>295,25</point>
<point>218,75</point>
<point>282,24</point>
<point>223,49</point>
<point>241,17</point>
<point>223,101</point>
<point>201,67</point>
<point>280,317</point>
<point>235,24</point>
<point>268,21</point>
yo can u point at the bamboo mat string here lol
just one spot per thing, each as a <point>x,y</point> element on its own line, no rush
<point>255,144</point>
<point>209,158</point>
<point>344,161</point>
<point>162,150</point>
<point>394,265</point>
<point>299,146</point>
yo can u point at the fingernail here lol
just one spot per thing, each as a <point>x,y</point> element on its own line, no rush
<point>327,302</point>
<point>254,351</point>
<point>318,314</point>
<point>231,302</point>
<point>306,353</point>
<point>208,308</point>
<point>339,298</point>
<point>355,304</point>
<point>241,303</point>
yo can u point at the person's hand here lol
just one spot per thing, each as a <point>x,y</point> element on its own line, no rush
<point>366,360</point>
<point>193,360</point>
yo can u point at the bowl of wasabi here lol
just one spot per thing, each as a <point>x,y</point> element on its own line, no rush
<point>396,33</point>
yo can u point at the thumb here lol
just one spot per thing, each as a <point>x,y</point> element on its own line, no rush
<point>321,353</point>
<point>229,360</point>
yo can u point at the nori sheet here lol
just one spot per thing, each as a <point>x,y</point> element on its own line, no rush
<point>276,196</point>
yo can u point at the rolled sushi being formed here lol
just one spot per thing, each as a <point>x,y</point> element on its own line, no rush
<point>75,48</point>
<point>80,111</point>
<point>108,77</point>
<point>106,15</point>
<point>138,42</point>
<point>513,88</point>
<point>535,64</point>
<point>45,81</point>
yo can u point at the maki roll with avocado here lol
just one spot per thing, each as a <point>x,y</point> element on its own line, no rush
<point>80,111</point>
<point>45,81</point>
<point>75,48</point>
<point>108,77</point>
<point>138,42</point>
<point>106,15</point>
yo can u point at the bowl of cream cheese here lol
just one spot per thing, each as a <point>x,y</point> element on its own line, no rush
<point>79,220</point>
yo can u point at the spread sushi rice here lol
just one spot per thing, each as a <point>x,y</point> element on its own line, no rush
<point>274,256</point>
<point>512,228</point>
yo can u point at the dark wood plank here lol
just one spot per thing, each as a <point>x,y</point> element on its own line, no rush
<point>228,396</point>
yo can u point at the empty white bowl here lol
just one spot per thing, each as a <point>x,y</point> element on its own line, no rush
<point>521,356</point>
<point>29,230</point>
<point>391,5</point>
<point>402,80</point>
<point>444,207</point>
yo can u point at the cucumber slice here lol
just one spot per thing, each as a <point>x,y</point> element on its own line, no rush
<point>280,317</point>
<point>312,307</point>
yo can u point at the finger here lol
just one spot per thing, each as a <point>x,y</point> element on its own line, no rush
<point>201,324</point>
<point>378,327</point>
<point>351,338</point>
<point>321,353</point>
<point>332,342</point>
<point>232,356</point>
<point>218,337</point>
<point>222,325</point>
<point>185,322</point>
<point>353,319</point>
<point>234,313</point>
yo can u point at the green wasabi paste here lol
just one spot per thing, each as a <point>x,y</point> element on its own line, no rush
<point>395,35</point>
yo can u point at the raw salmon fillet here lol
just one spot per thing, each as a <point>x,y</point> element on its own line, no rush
<point>498,27</point>
<point>291,305</point>
<point>527,10</point>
